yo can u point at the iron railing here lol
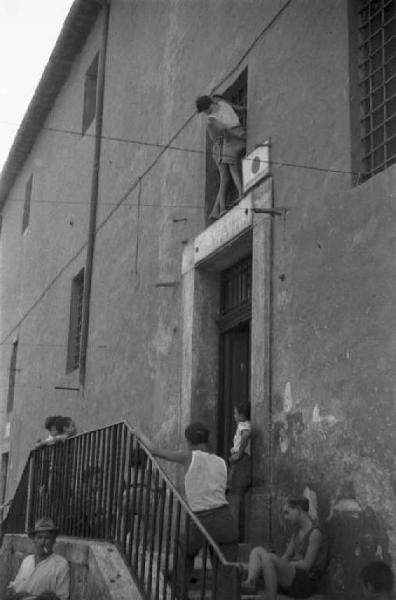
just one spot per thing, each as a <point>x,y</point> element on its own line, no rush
<point>105,484</point>
<point>14,515</point>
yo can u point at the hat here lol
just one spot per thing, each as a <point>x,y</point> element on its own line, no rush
<point>44,524</point>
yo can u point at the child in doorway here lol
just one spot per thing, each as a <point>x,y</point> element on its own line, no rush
<point>240,475</point>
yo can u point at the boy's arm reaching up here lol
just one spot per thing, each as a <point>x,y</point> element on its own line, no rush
<point>179,456</point>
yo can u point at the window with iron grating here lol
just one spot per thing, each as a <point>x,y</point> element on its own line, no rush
<point>12,377</point>
<point>377,83</point>
<point>90,85</point>
<point>236,287</point>
<point>26,204</point>
<point>76,305</point>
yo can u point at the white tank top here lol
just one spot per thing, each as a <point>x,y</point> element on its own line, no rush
<point>205,481</point>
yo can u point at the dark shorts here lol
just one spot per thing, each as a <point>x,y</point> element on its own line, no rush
<point>302,586</point>
<point>240,476</point>
<point>220,525</point>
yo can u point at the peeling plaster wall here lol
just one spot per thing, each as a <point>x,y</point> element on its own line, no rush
<point>334,409</point>
<point>333,376</point>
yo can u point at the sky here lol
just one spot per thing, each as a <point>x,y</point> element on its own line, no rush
<point>28,32</point>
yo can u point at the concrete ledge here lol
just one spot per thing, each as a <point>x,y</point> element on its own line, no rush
<point>108,575</point>
<point>229,238</point>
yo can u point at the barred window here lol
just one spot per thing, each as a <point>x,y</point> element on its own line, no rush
<point>90,85</point>
<point>11,377</point>
<point>236,287</point>
<point>3,476</point>
<point>377,81</point>
<point>76,304</point>
<point>26,204</point>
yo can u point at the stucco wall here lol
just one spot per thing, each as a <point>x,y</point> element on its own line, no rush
<point>334,379</point>
<point>61,164</point>
<point>332,275</point>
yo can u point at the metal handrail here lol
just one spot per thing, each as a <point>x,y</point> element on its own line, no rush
<point>184,503</point>
<point>105,484</point>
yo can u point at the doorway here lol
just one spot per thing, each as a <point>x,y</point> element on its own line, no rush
<point>234,359</point>
<point>234,380</point>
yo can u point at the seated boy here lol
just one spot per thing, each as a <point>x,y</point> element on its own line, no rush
<point>296,573</point>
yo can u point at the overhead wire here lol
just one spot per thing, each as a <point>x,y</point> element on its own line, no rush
<point>137,181</point>
<point>107,346</point>
<point>188,150</point>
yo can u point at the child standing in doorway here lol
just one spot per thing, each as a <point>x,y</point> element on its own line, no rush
<point>240,476</point>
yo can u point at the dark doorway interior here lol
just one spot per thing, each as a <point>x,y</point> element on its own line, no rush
<point>235,380</point>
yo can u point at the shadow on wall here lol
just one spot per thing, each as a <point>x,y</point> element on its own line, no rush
<point>356,536</point>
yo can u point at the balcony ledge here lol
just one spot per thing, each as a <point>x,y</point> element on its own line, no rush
<point>211,248</point>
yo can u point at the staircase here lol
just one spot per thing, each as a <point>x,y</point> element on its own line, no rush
<point>105,485</point>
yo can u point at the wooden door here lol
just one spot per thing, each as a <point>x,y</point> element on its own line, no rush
<point>234,381</point>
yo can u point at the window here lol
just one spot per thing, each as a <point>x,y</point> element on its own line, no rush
<point>90,84</point>
<point>377,83</point>
<point>3,476</point>
<point>76,303</point>
<point>26,205</point>
<point>11,377</point>
<point>235,293</point>
<point>237,94</point>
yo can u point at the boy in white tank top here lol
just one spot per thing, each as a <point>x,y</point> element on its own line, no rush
<point>205,486</point>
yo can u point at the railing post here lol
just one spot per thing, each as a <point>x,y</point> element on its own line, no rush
<point>30,493</point>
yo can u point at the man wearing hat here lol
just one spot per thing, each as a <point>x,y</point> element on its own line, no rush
<point>42,574</point>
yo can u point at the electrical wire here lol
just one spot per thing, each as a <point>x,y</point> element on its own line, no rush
<point>137,181</point>
<point>190,151</point>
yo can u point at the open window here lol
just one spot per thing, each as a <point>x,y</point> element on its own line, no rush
<point>237,94</point>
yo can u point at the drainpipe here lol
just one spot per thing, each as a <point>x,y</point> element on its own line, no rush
<point>94,193</point>
<point>271,366</point>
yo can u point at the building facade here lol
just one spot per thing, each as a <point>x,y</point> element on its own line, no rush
<point>120,300</point>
